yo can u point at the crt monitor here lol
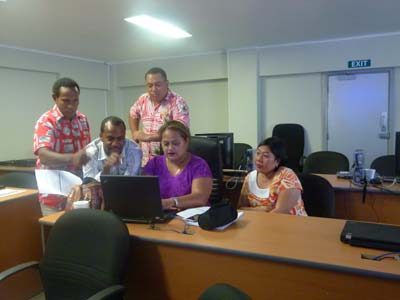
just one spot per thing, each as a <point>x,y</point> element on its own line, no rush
<point>226,142</point>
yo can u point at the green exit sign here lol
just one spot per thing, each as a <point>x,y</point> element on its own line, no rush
<point>359,63</point>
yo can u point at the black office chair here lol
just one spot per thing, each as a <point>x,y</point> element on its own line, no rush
<point>25,180</point>
<point>210,151</point>
<point>385,165</point>
<point>240,155</point>
<point>293,137</point>
<point>223,291</point>
<point>318,196</point>
<point>85,256</point>
<point>325,162</point>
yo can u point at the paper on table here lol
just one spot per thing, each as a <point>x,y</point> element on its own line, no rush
<point>8,192</point>
<point>189,214</point>
<point>56,181</point>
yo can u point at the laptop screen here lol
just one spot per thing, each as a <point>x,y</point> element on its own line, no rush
<point>132,198</point>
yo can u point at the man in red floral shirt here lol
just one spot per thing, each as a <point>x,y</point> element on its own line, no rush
<point>60,137</point>
<point>153,109</point>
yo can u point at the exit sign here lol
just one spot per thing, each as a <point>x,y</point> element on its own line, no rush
<point>360,63</point>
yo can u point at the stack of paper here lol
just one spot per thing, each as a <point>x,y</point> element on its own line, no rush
<point>56,181</point>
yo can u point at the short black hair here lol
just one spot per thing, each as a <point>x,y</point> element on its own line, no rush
<point>277,147</point>
<point>115,121</point>
<point>65,82</point>
<point>156,71</point>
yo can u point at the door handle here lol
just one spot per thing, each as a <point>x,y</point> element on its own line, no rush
<point>383,126</point>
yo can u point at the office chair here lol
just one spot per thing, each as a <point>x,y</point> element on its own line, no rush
<point>209,150</point>
<point>318,196</point>
<point>85,256</point>
<point>325,162</point>
<point>223,291</point>
<point>293,137</point>
<point>19,179</point>
<point>385,165</point>
<point>239,155</point>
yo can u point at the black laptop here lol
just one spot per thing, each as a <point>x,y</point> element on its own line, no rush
<point>371,235</point>
<point>134,199</point>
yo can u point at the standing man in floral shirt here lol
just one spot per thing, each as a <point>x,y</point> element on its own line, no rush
<point>60,137</point>
<point>154,108</point>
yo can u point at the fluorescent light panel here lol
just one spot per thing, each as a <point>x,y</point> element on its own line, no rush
<point>158,26</point>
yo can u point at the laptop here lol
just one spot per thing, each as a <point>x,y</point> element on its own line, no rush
<point>371,235</point>
<point>135,199</point>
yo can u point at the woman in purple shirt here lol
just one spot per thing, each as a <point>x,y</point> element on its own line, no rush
<point>185,179</point>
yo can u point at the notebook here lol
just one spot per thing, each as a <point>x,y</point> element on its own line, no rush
<point>134,199</point>
<point>371,235</point>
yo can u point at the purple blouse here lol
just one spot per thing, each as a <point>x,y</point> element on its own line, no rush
<point>181,184</point>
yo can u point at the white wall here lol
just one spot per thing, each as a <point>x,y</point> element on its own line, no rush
<point>300,72</point>
<point>200,80</point>
<point>244,91</point>
<point>294,99</point>
<point>26,79</point>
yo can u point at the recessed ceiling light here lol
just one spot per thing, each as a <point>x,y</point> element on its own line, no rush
<point>158,26</point>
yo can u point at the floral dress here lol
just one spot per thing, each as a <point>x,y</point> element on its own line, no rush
<point>284,179</point>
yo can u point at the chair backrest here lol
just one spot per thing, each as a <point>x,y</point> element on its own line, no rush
<point>318,196</point>
<point>86,251</point>
<point>325,162</point>
<point>223,291</point>
<point>19,179</point>
<point>385,165</point>
<point>239,155</point>
<point>293,137</point>
<point>210,151</point>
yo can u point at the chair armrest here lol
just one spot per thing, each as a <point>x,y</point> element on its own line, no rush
<point>18,268</point>
<point>108,292</point>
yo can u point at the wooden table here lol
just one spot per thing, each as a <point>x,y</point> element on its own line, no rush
<point>20,242</point>
<point>269,256</point>
<point>381,206</point>
<point>8,169</point>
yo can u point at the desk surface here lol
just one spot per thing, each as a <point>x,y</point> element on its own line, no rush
<point>15,197</point>
<point>20,242</point>
<point>16,169</point>
<point>307,241</point>
<point>346,184</point>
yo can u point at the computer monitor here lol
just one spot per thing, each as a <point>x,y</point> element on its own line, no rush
<point>397,154</point>
<point>226,142</point>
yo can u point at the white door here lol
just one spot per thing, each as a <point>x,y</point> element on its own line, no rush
<point>358,114</point>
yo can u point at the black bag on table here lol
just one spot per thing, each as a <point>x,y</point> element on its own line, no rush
<point>219,214</point>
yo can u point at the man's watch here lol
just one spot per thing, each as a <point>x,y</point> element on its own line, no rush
<point>176,202</point>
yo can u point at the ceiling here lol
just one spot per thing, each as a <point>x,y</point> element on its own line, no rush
<point>95,29</point>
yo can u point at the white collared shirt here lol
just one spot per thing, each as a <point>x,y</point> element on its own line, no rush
<point>131,158</point>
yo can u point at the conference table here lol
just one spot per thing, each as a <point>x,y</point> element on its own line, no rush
<point>269,256</point>
<point>380,203</point>
<point>20,241</point>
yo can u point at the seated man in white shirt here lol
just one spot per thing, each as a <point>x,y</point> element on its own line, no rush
<point>112,153</point>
